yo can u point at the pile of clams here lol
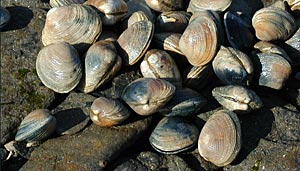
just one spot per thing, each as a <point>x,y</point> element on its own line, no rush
<point>179,47</point>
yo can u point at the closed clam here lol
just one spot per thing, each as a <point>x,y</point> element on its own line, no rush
<point>108,112</point>
<point>36,126</point>
<point>237,98</point>
<point>233,66</point>
<point>165,5</point>
<point>136,17</point>
<point>271,70</point>
<point>201,39</point>
<point>59,3</point>
<point>273,24</point>
<point>146,95</point>
<point>101,63</point>
<point>113,10</point>
<point>172,21</point>
<point>159,64</point>
<point>58,67</point>
<point>76,24</point>
<point>292,47</point>
<point>173,135</point>
<point>244,38</point>
<point>185,102</point>
<point>4,17</point>
<point>214,5</point>
<point>135,40</point>
<point>167,41</point>
<point>220,138</point>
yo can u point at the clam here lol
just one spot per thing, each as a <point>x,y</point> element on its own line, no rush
<point>167,41</point>
<point>233,66</point>
<point>36,126</point>
<point>172,21</point>
<point>200,40</point>
<point>244,38</point>
<point>59,3</point>
<point>146,95</point>
<point>138,5</point>
<point>159,64</point>
<point>173,135</point>
<point>4,17</point>
<point>113,10</point>
<point>273,24</point>
<point>134,41</point>
<point>214,5</point>
<point>101,63</point>
<point>76,24</point>
<point>271,70</point>
<point>294,5</point>
<point>292,47</point>
<point>108,35</point>
<point>58,67</point>
<point>237,98</point>
<point>108,112</point>
<point>220,138</point>
<point>165,5</point>
<point>136,17</point>
<point>185,102</point>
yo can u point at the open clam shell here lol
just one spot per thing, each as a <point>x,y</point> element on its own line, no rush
<point>237,98</point>
<point>108,112</point>
<point>36,126</point>
<point>220,138</point>
<point>165,5</point>
<point>77,24</point>
<point>146,95</point>
<point>58,67</point>
<point>214,5</point>
<point>173,135</point>
<point>135,40</point>
<point>233,66</point>
<point>101,64</point>
<point>159,64</point>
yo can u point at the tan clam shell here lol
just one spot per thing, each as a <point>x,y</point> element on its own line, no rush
<point>172,21</point>
<point>108,112</point>
<point>76,24</point>
<point>167,41</point>
<point>134,41</point>
<point>165,5</point>
<point>101,64</point>
<point>146,95</point>
<point>114,10</point>
<point>138,5</point>
<point>58,67</point>
<point>59,3</point>
<point>273,24</point>
<point>200,40</point>
<point>220,138</point>
<point>136,17</point>
<point>159,64</point>
<point>214,5</point>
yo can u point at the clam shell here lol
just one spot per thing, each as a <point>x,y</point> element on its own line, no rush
<point>138,5</point>
<point>237,98</point>
<point>134,41</point>
<point>271,70</point>
<point>136,17</point>
<point>59,3</point>
<point>36,126</point>
<point>233,66</point>
<point>114,10</point>
<point>58,67</point>
<point>273,24</point>
<point>101,64</point>
<point>185,102</point>
<point>167,41</point>
<point>173,135</point>
<point>292,47</point>
<point>244,38</point>
<point>76,24</point>
<point>172,21</point>
<point>214,5</point>
<point>108,112</point>
<point>165,5</point>
<point>294,6</point>
<point>146,95</point>
<point>4,17</point>
<point>220,138</point>
<point>159,64</point>
<point>200,40</point>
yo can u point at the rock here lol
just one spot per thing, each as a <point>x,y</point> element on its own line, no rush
<point>89,150</point>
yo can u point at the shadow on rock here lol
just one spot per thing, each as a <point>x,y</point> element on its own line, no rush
<point>20,18</point>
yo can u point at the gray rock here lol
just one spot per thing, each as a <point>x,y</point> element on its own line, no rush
<point>89,150</point>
